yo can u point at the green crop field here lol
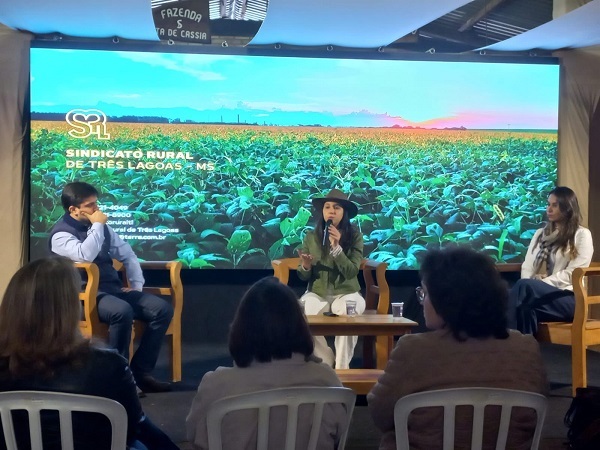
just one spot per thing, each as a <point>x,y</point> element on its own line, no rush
<point>243,198</point>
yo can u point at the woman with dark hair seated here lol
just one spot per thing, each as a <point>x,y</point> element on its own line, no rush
<point>42,349</point>
<point>464,302</point>
<point>272,347</point>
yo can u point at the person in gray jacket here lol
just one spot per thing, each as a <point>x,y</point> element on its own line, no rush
<point>272,347</point>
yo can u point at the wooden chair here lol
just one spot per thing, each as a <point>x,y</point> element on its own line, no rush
<point>361,381</point>
<point>90,324</point>
<point>377,299</point>
<point>583,331</point>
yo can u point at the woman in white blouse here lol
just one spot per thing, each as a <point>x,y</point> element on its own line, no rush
<point>545,291</point>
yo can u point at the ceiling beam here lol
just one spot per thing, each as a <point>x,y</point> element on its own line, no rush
<point>480,14</point>
<point>232,9</point>
<point>469,38</point>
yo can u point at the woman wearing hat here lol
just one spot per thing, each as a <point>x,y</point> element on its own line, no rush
<point>330,261</point>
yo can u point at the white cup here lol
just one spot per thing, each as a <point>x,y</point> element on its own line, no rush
<point>397,309</point>
<point>351,307</point>
<point>302,305</point>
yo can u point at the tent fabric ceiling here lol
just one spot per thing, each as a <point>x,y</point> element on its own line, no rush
<point>347,23</point>
<point>578,28</point>
<point>456,27</point>
<point>131,19</point>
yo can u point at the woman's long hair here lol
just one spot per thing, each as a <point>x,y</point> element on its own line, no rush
<point>346,229</point>
<point>569,207</point>
<point>269,324</point>
<point>39,319</point>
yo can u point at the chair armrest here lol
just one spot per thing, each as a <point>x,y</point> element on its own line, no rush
<point>585,279</point>
<point>159,265</point>
<point>90,292</point>
<point>175,289</point>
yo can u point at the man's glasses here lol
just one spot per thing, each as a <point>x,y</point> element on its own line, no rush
<point>420,295</point>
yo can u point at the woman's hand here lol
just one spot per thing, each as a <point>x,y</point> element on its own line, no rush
<point>306,259</point>
<point>334,236</point>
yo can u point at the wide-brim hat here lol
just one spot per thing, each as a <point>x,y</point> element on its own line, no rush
<point>337,196</point>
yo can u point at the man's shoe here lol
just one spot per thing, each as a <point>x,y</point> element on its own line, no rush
<point>147,383</point>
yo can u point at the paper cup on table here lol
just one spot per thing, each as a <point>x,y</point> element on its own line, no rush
<point>397,309</point>
<point>302,305</point>
<point>351,307</point>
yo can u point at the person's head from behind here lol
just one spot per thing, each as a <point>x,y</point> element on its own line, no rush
<point>39,316</point>
<point>79,200</point>
<point>269,324</point>
<point>464,293</point>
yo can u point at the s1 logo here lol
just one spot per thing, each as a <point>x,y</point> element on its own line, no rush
<point>87,122</point>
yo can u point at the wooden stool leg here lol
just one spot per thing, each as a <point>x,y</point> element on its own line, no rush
<point>368,361</point>
<point>383,347</point>
<point>175,357</point>
<point>578,366</point>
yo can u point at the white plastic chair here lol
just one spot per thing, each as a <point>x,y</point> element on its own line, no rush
<point>479,398</point>
<point>263,401</point>
<point>35,401</point>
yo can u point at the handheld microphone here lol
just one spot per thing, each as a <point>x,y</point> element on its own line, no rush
<point>326,232</point>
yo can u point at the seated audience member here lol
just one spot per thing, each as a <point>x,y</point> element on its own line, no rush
<point>545,291</point>
<point>42,349</point>
<point>272,347</point>
<point>464,303</point>
<point>82,234</point>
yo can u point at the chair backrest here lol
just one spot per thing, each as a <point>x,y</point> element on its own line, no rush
<point>34,402</point>
<point>584,330</point>
<point>282,267</point>
<point>479,398</point>
<point>263,401</point>
<point>584,284</point>
<point>377,291</point>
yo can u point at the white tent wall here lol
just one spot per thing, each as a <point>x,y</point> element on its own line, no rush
<point>14,81</point>
<point>579,98</point>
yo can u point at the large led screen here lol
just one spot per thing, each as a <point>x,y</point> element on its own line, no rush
<point>213,159</point>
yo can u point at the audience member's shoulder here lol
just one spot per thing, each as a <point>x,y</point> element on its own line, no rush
<point>320,366</point>
<point>425,338</point>
<point>219,375</point>
<point>106,356</point>
<point>522,339</point>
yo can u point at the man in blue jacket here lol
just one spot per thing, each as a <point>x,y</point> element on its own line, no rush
<point>83,235</point>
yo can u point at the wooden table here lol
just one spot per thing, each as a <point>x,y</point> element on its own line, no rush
<point>383,327</point>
